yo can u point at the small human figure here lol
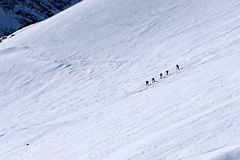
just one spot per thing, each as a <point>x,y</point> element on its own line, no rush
<point>147,83</point>
<point>177,66</point>
<point>167,72</point>
<point>161,76</point>
<point>153,80</point>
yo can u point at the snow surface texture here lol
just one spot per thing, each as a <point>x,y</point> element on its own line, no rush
<point>73,86</point>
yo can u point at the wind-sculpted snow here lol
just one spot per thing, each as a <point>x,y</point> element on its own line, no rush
<point>230,155</point>
<point>73,86</point>
<point>219,153</point>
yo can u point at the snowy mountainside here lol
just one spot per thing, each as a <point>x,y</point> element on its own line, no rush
<point>73,86</point>
<point>15,14</point>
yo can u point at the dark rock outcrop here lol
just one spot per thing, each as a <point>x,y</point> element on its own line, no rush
<point>16,14</point>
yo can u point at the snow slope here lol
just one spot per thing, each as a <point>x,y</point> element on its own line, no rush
<point>73,86</point>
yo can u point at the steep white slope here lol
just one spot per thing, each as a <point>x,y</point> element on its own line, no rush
<point>72,87</point>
